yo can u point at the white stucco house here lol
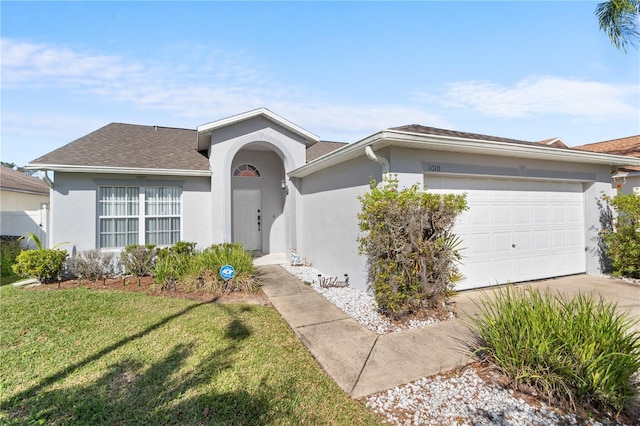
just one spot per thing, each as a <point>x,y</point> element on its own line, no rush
<point>24,203</point>
<point>625,180</point>
<point>260,179</point>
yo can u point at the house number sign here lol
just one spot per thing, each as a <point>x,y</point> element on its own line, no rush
<point>433,167</point>
<point>227,272</point>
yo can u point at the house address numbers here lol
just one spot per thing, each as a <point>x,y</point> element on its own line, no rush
<point>433,168</point>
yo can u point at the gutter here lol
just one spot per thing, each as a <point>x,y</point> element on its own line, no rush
<point>115,170</point>
<point>388,138</point>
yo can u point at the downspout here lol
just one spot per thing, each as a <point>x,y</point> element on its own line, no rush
<point>46,179</point>
<point>378,159</point>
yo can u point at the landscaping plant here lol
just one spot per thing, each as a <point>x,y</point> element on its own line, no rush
<point>412,253</point>
<point>182,267</point>
<point>622,236</point>
<point>45,265</point>
<point>91,264</point>
<point>9,251</point>
<point>138,260</point>
<point>575,352</point>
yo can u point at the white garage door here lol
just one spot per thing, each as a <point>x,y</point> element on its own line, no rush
<point>517,230</point>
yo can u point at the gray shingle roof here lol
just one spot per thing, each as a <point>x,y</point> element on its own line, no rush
<point>13,180</point>
<point>321,148</point>
<point>131,146</point>
<point>417,128</point>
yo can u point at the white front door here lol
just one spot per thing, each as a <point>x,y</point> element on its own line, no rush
<point>517,230</point>
<point>247,218</point>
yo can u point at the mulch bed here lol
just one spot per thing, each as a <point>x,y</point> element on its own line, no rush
<point>146,286</point>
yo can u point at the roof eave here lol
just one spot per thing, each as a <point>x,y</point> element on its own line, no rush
<point>25,191</point>
<point>388,138</point>
<point>116,170</point>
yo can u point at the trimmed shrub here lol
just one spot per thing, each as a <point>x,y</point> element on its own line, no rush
<point>411,250</point>
<point>577,352</point>
<point>622,237</point>
<point>138,260</point>
<point>91,264</point>
<point>45,265</point>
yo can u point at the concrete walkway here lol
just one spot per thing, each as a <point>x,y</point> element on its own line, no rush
<point>362,362</point>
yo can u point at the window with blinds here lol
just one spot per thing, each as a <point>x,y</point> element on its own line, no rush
<point>134,215</point>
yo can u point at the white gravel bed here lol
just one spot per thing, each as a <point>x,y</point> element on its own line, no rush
<point>357,304</point>
<point>462,399</point>
<point>455,399</point>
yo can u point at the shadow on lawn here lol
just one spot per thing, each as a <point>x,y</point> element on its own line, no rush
<point>132,393</point>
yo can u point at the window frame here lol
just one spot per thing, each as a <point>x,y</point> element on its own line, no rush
<point>139,214</point>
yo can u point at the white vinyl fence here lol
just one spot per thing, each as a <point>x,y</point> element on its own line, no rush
<point>18,223</point>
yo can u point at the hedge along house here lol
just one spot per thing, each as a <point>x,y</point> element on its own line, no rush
<point>258,179</point>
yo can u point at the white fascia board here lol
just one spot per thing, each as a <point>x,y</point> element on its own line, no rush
<point>116,170</point>
<point>209,127</point>
<point>388,138</point>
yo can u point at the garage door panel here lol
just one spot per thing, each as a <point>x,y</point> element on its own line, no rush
<point>544,220</point>
<point>522,240</point>
<point>521,215</point>
<point>541,239</point>
<point>477,244</point>
<point>502,242</point>
<point>558,239</point>
<point>557,214</point>
<point>502,215</point>
<point>481,215</point>
<point>540,214</point>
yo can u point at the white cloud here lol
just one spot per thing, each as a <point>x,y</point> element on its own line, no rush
<point>540,95</point>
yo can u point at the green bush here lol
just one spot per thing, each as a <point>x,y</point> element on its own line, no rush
<point>577,352</point>
<point>9,251</point>
<point>622,238</point>
<point>411,250</point>
<point>44,265</point>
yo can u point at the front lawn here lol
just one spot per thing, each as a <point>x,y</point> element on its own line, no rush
<point>87,357</point>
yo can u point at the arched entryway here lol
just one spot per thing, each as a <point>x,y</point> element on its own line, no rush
<point>258,198</point>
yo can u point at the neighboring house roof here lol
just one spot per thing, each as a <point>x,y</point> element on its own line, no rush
<point>629,146</point>
<point>129,148</point>
<point>321,148</point>
<point>13,180</point>
<point>422,137</point>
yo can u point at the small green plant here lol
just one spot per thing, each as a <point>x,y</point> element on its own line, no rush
<point>412,253</point>
<point>138,260</point>
<point>44,264</point>
<point>576,352</point>
<point>622,237</point>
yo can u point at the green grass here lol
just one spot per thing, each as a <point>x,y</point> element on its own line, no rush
<point>89,358</point>
<point>577,352</point>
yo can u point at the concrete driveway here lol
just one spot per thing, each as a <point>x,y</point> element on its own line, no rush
<point>359,360</point>
<point>626,295</point>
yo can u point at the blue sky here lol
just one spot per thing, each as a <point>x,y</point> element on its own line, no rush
<point>342,70</point>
